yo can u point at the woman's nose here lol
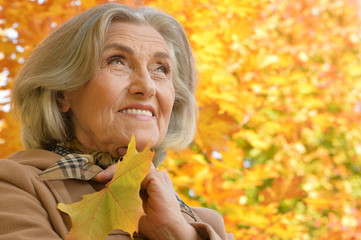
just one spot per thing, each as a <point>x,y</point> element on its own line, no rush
<point>142,84</point>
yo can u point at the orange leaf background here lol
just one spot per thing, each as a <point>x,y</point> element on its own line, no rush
<point>278,151</point>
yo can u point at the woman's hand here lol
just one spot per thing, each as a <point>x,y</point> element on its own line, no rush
<point>106,175</point>
<point>163,219</point>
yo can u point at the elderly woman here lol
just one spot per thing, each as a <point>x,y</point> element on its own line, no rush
<point>105,75</point>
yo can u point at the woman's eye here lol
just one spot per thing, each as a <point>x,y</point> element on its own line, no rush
<point>163,69</point>
<point>117,60</point>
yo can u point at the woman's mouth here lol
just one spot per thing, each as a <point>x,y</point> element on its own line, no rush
<point>137,112</point>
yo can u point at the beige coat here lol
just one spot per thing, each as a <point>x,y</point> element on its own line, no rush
<point>28,205</point>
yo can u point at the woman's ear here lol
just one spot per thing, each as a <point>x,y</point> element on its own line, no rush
<point>63,101</point>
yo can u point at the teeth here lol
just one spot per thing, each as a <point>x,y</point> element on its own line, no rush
<point>137,111</point>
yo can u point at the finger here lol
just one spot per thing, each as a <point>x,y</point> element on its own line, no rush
<point>159,182</point>
<point>106,175</point>
<point>146,180</point>
<point>143,226</point>
<point>144,196</point>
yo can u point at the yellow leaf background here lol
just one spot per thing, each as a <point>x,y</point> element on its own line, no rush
<point>278,151</point>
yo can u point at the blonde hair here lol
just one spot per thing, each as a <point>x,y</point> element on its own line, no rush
<point>66,60</point>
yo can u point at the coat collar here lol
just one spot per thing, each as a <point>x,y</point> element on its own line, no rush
<point>39,158</point>
<point>57,167</point>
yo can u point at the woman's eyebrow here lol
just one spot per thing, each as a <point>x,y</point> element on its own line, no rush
<point>120,47</point>
<point>161,55</point>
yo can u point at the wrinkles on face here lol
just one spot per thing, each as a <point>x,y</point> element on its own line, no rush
<point>144,39</point>
<point>134,73</point>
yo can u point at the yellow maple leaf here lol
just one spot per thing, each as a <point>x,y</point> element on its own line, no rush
<point>254,139</point>
<point>117,206</point>
<point>283,189</point>
<point>214,128</point>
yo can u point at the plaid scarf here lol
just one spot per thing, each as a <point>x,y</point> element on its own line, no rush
<point>102,159</point>
<point>77,162</point>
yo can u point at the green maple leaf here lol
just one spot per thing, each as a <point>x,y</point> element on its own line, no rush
<point>117,206</point>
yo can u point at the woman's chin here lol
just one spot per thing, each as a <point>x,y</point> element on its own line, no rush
<point>143,139</point>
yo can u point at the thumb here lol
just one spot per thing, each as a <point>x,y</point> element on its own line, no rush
<point>106,175</point>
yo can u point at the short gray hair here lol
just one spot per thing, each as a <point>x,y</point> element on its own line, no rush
<point>67,58</point>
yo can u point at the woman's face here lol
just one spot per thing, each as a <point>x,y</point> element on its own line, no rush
<point>130,93</point>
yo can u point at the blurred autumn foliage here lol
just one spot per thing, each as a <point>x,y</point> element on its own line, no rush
<point>278,149</point>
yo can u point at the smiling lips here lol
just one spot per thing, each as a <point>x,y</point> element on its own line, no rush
<point>137,112</point>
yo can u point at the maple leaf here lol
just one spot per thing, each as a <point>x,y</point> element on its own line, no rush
<point>117,206</point>
<point>214,128</point>
<point>282,189</point>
